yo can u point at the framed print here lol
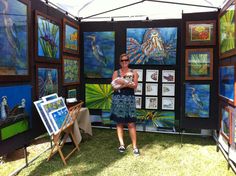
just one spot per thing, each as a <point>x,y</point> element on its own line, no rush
<point>50,97</point>
<point>138,101</point>
<point>152,75</point>
<point>226,123</point>
<point>200,33</point>
<point>143,49</point>
<point>199,64</point>
<point>197,100</point>
<point>46,80</point>
<point>72,93</point>
<point>151,103</point>
<point>99,54</point>
<point>151,89</point>
<point>47,38</point>
<point>227,30</point>
<point>168,89</point>
<point>139,89</point>
<point>168,103</point>
<point>70,37</point>
<point>227,83</point>
<point>14,34</point>
<point>168,76</point>
<point>70,70</point>
<point>140,74</point>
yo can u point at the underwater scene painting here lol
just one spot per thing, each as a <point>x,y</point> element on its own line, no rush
<point>225,122</point>
<point>47,81</point>
<point>98,96</point>
<point>14,38</point>
<point>48,38</point>
<point>152,46</point>
<point>70,70</point>
<point>227,81</point>
<point>71,38</point>
<point>197,100</point>
<point>99,54</point>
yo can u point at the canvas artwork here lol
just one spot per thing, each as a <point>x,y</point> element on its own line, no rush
<point>139,89</point>
<point>140,74</point>
<point>151,89</point>
<point>48,38</point>
<point>200,32</point>
<point>168,103</point>
<point>71,70</point>
<point>106,118</point>
<point>152,75</point>
<point>225,123</point>
<point>227,83</point>
<point>168,89</point>
<point>99,54</point>
<point>47,81</point>
<point>199,64</point>
<point>152,46</point>
<point>138,101</point>
<point>50,97</point>
<point>168,76</point>
<point>151,103</point>
<point>14,38</point>
<point>197,100</point>
<point>98,96</point>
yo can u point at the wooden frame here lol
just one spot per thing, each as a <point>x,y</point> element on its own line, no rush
<point>193,65</point>
<point>74,36</point>
<point>200,33</point>
<point>48,41</point>
<point>228,138</point>
<point>222,16</point>
<point>67,77</point>
<point>9,74</point>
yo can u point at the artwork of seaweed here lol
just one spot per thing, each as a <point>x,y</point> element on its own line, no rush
<point>99,54</point>
<point>152,46</point>
<point>71,67</point>
<point>48,38</point>
<point>14,38</point>
<point>197,100</point>
<point>98,96</point>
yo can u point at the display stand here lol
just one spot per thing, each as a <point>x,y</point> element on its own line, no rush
<point>66,130</point>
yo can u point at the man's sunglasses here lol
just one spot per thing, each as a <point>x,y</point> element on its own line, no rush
<point>125,60</point>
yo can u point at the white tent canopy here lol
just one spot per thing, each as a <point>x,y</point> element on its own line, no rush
<point>97,10</point>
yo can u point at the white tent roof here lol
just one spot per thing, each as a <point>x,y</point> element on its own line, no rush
<point>97,10</point>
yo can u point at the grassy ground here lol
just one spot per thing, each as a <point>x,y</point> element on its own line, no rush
<point>161,154</point>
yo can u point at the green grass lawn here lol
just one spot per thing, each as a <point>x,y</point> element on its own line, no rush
<point>161,154</point>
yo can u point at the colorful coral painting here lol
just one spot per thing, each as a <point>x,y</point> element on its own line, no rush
<point>99,54</point>
<point>197,100</point>
<point>48,38</point>
<point>47,81</point>
<point>14,38</point>
<point>227,30</point>
<point>199,64</point>
<point>98,96</point>
<point>225,122</point>
<point>71,67</point>
<point>152,46</point>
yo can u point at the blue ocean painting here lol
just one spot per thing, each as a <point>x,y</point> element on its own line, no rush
<point>47,81</point>
<point>71,38</point>
<point>59,116</point>
<point>99,54</point>
<point>152,46</point>
<point>226,82</point>
<point>225,121</point>
<point>14,38</point>
<point>197,100</point>
<point>48,38</point>
<point>106,118</point>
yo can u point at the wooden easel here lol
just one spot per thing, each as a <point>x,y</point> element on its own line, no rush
<point>66,130</point>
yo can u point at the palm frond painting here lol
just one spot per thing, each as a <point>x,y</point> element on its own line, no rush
<point>98,96</point>
<point>197,100</point>
<point>99,54</point>
<point>152,46</point>
<point>14,38</point>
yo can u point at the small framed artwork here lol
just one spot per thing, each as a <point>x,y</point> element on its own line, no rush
<point>168,103</point>
<point>70,70</point>
<point>168,89</point>
<point>138,101</point>
<point>47,38</point>
<point>227,83</point>
<point>139,89</point>
<point>199,64</point>
<point>72,93</point>
<point>226,123</point>
<point>227,30</point>
<point>152,75</point>
<point>168,76</point>
<point>151,89</point>
<point>151,103</point>
<point>70,37</point>
<point>200,33</point>
<point>140,74</point>
<point>50,97</point>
